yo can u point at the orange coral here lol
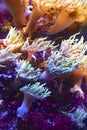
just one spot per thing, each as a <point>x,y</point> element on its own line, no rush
<point>16,9</point>
<point>64,13</point>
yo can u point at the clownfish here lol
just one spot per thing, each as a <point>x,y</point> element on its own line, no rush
<point>2,43</point>
<point>40,57</point>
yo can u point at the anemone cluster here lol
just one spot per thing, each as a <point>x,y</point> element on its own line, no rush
<point>34,82</point>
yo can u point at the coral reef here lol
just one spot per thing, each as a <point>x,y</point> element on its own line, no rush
<point>43,84</point>
<point>34,82</point>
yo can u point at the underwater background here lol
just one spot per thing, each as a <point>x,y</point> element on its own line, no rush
<point>64,110</point>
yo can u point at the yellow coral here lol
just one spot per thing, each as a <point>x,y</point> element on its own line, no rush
<point>26,4</point>
<point>24,1</point>
<point>14,39</point>
<point>54,6</point>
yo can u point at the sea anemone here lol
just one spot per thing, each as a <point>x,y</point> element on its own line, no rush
<point>38,45</point>
<point>32,92</point>
<point>73,46</point>
<point>14,39</point>
<point>26,71</point>
<point>65,60</point>
<point>7,56</point>
<point>77,48</point>
<point>57,63</point>
<point>70,58</point>
<point>36,90</point>
<point>78,116</point>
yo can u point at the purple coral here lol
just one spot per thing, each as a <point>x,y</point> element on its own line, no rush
<point>38,118</point>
